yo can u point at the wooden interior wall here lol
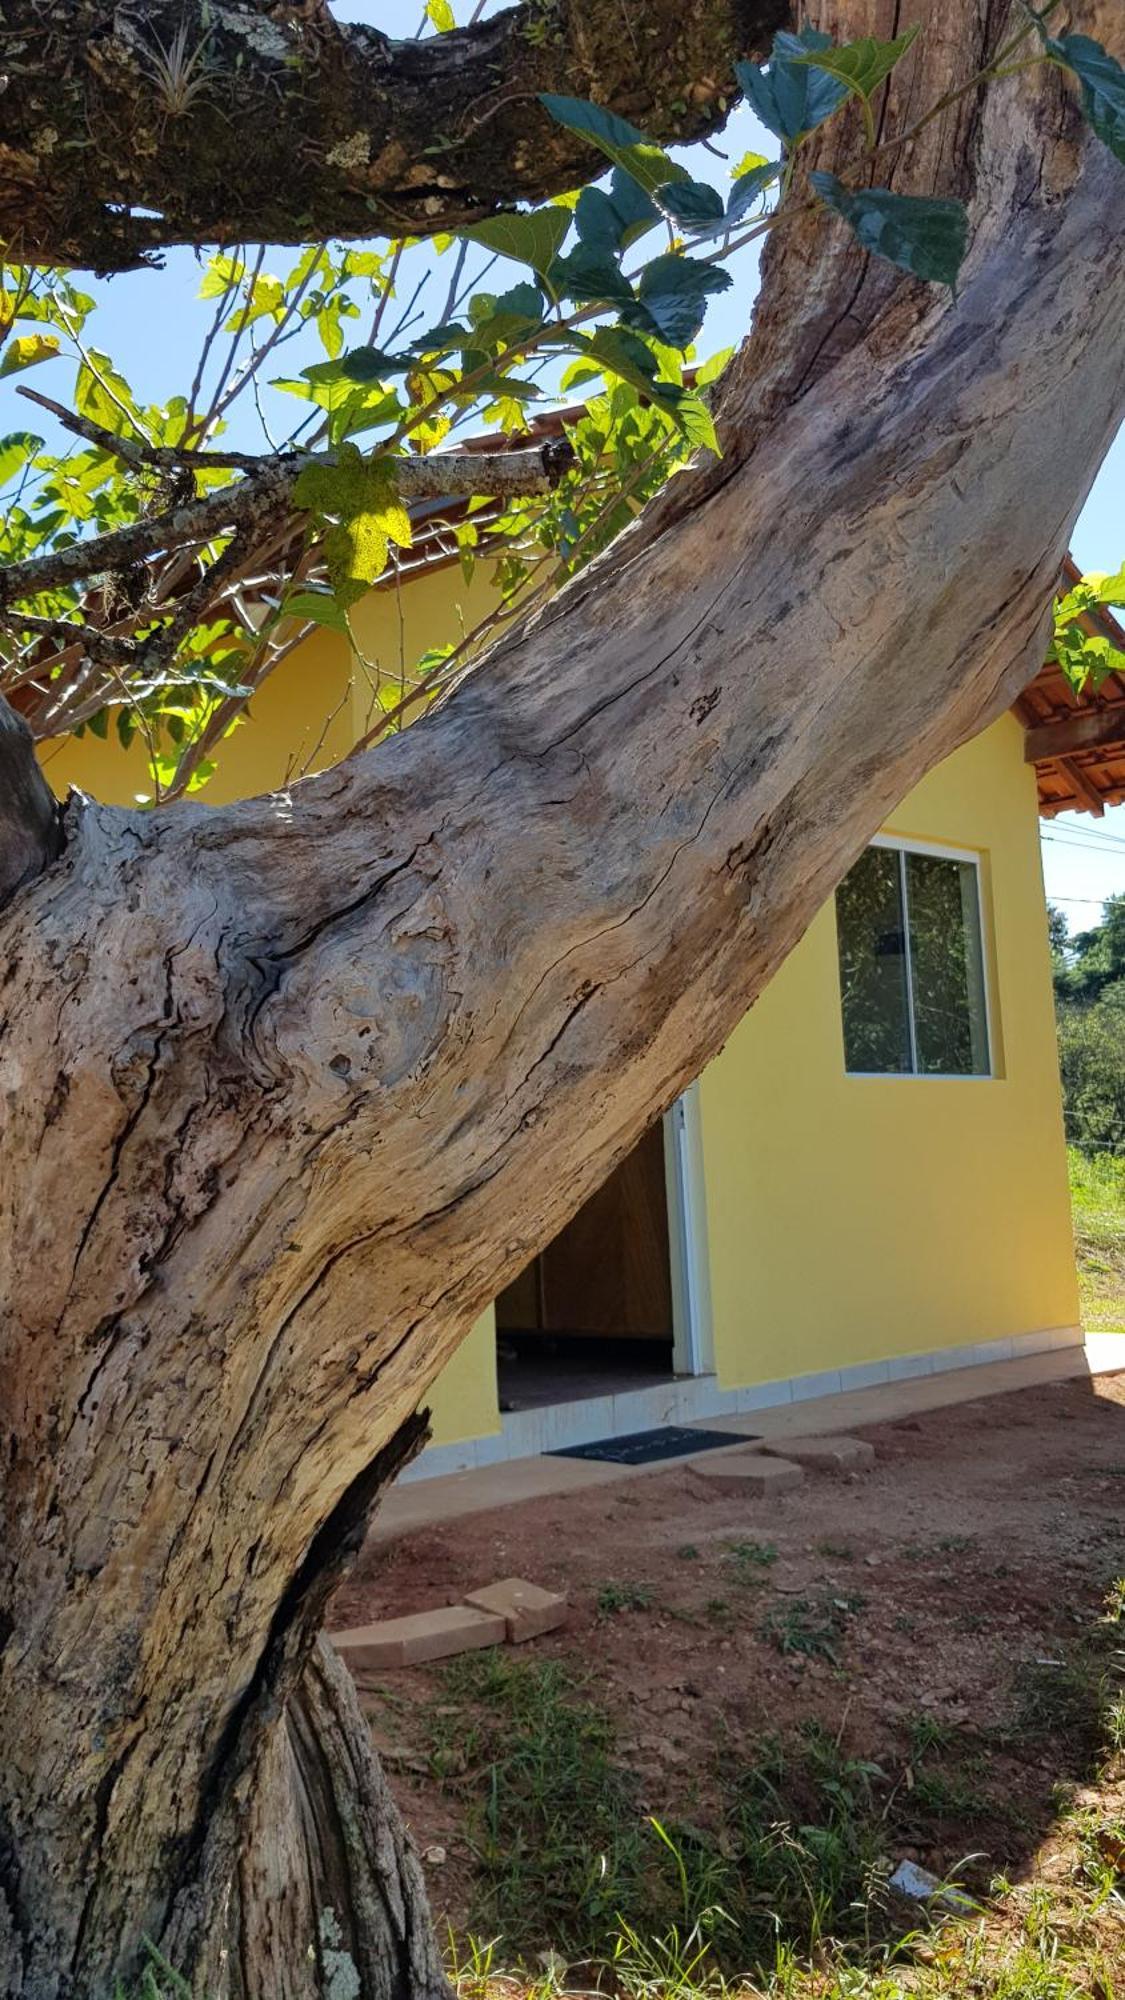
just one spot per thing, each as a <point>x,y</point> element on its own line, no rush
<point>608,1270</point>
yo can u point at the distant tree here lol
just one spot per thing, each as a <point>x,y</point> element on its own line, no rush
<point>1059,935</point>
<point>1086,965</point>
<point>1092,1064</point>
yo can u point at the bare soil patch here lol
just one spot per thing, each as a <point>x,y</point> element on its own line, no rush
<point>926,1618</point>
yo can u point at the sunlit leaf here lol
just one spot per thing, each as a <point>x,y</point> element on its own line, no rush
<point>26,351</point>
<point>102,393</point>
<point>711,369</point>
<point>696,422</point>
<point>533,237</point>
<point>221,276</point>
<point>319,606</point>
<point>15,450</point>
<point>750,187</point>
<point>358,497</point>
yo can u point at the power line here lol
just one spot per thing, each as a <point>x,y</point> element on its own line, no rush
<point>1081,846</point>
<point>1086,835</point>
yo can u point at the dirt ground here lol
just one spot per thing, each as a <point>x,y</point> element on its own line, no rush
<point>983,1537</point>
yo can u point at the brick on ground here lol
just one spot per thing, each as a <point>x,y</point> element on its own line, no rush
<point>427,1635</point>
<point>746,1472</point>
<point>527,1610</point>
<point>826,1454</point>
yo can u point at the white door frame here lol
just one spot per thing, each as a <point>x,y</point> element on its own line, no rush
<point>692,1339</point>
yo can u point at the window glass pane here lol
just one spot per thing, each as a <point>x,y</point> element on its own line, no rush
<point>950,1030</point>
<point>873,964</point>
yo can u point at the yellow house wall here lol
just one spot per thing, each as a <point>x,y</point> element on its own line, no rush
<point>849,1219</point>
<point>852,1219</point>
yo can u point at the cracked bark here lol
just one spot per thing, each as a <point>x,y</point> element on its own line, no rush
<point>292,1087</point>
<point>354,134</point>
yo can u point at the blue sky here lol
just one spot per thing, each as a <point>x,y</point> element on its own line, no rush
<point>152,324</point>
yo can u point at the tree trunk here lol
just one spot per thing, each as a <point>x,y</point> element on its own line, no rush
<point>292,1088</point>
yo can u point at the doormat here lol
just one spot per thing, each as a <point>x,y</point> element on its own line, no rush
<point>645,1447</point>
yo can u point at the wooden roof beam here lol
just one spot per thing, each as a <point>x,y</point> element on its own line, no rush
<point>1084,788</point>
<point>1086,729</point>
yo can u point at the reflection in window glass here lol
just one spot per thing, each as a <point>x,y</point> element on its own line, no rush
<point>873,965</point>
<point>912,965</point>
<point>945,962</point>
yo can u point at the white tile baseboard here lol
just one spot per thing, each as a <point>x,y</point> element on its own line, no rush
<point>695,1399</point>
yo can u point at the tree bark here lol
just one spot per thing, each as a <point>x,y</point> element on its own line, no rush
<point>30,833</point>
<point>291,1088</point>
<point>192,123</point>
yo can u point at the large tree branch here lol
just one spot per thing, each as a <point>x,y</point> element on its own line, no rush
<point>124,131</point>
<point>256,500</point>
<point>326,1069</point>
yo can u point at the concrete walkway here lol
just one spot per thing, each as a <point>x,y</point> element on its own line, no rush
<point>423,1503</point>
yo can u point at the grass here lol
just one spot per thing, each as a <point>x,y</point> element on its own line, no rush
<point>746,1560</point>
<point>615,1597</point>
<point>1097,1196</point>
<point>810,1626</point>
<point>779,1887</point>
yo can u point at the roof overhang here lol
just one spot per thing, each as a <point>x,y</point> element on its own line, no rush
<point>1076,742</point>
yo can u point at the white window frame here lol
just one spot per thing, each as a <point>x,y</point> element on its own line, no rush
<point>941,852</point>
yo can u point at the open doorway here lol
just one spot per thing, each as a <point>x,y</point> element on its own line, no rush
<point>596,1313</point>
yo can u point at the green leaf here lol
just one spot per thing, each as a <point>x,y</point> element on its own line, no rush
<point>580,371</point>
<point>102,393</point>
<point>359,498</point>
<point>694,419</point>
<point>27,350</point>
<point>1103,86</point>
<point>365,411</point>
<point>330,331</point>
<point>749,187</point>
<point>924,236</point>
<point>624,355</point>
<point>533,237</point>
<point>712,368</point>
<point>1107,588</point>
<point>439,13</point>
<point>498,322</point>
<point>862,65</point>
<point>319,606</point>
<point>692,203</point>
<point>1086,659</point>
<point>672,297</point>
<point>587,274</point>
<point>15,450</point>
<point>364,364</point>
<point>221,276</point>
<point>614,220</point>
<point>790,99</point>
<point>621,142</point>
